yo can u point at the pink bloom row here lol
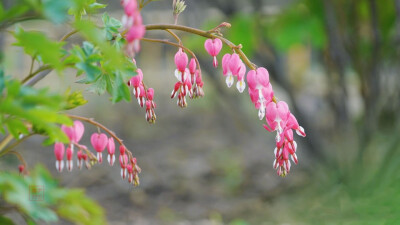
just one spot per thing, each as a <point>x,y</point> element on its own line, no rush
<point>143,96</point>
<point>189,79</point>
<point>132,22</point>
<point>100,142</point>
<point>277,114</point>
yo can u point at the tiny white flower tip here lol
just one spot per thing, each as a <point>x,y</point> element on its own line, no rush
<point>275,150</point>
<point>70,165</point>
<point>59,165</point>
<point>229,80</point>
<point>240,85</point>
<point>178,74</point>
<point>278,137</point>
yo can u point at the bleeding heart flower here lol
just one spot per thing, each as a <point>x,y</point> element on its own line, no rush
<point>213,47</point>
<point>99,142</point>
<point>59,150</point>
<point>111,151</point>
<point>181,61</point>
<point>74,132</point>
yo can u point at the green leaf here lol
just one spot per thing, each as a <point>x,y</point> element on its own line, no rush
<point>56,10</point>
<point>16,127</point>
<point>71,204</point>
<point>6,221</point>
<point>92,72</point>
<point>37,44</point>
<point>121,90</point>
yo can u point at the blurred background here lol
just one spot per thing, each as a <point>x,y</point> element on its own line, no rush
<point>335,62</point>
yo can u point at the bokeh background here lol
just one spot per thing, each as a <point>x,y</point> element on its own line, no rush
<point>335,62</point>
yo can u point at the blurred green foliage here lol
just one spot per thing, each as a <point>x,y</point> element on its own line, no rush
<point>286,29</point>
<point>23,105</point>
<point>40,199</point>
<point>33,44</point>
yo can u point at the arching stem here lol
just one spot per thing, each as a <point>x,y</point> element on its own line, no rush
<point>101,126</point>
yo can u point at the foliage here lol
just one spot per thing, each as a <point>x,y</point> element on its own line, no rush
<point>100,63</point>
<point>22,107</point>
<point>52,201</point>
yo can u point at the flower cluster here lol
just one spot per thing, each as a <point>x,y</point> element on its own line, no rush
<point>132,22</point>
<point>277,114</point>
<point>232,66</point>
<point>189,79</point>
<point>143,96</point>
<point>100,142</point>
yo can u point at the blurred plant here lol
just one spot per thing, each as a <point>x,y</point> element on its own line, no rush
<point>105,61</point>
<point>38,197</point>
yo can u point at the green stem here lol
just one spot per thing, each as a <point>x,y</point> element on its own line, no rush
<point>13,145</point>
<point>5,142</point>
<point>176,45</point>
<point>101,126</point>
<point>46,67</point>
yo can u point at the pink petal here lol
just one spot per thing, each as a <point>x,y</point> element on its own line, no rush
<point>272,112</point>
<point>79,129</point>
<point>225,64</point>
<point>181,60</point>
<point>234,64</point>
<point>69,131</point>
<point>208,45</point>
<point>242,71</point>
<point>262,76</point>
<point>192,66</point>
<point>283,110</point>
<point>111,146</point>
<point>217,46</point>
<point>59,150</point>
<point>253,94</point>
<point>268,93</point>
<point>130,7</point>
<point>251,79</point>
<point>150,94</point>
<point>99,141</point>
<point>135,32</point>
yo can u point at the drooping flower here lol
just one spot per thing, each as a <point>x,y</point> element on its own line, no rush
<point>123,160</point>
<point>192,70</point>
<point>69,159</point>
<point>181,61</point>
<point>183,74</point>
<point>213,47</point>
<point>198,86</point>
<point>279,119</point>
<point>130,172</point>
<point>111,151</point>
<point>231,66</point>
<point>74,132</point>
<point>132,22</point>
<point>79,156</point>
<point>241,84</point>
<point>59,150</point>
<point>99,142</point>
<point>277,116</point>
<point>260,89</point>
<point>21,169</point>
<point>150,106</point>
<point>136,83</point>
